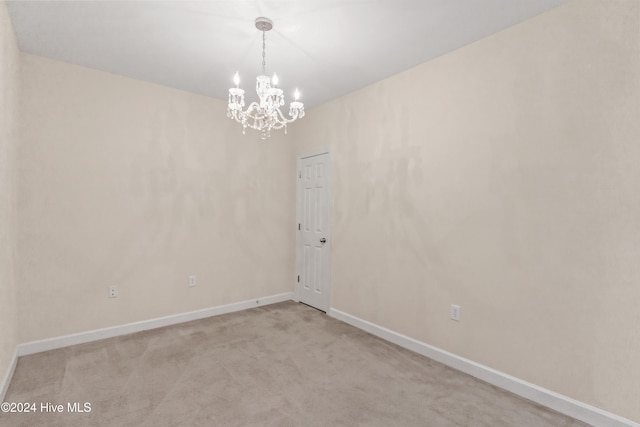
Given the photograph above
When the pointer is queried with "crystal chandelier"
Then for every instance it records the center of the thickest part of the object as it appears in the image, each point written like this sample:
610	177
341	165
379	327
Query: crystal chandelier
266	114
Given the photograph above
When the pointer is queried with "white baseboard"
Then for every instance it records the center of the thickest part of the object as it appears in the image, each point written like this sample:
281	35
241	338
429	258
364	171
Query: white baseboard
4	384
114	331
558	402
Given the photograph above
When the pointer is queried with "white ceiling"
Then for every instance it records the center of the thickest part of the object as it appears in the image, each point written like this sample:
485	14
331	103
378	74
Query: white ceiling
327	48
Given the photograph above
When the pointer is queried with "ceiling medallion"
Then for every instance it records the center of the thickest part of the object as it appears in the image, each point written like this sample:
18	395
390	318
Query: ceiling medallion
266	114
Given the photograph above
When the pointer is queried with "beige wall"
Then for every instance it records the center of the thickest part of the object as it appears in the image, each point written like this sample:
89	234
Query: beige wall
127	183
9	86
502	177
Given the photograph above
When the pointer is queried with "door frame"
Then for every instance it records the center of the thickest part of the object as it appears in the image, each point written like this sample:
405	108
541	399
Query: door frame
329	244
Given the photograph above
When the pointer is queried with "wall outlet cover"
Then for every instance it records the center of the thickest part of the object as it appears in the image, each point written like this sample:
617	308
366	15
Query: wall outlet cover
113	291
455	312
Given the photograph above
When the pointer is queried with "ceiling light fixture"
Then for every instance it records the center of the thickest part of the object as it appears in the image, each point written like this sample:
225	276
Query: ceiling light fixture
265	115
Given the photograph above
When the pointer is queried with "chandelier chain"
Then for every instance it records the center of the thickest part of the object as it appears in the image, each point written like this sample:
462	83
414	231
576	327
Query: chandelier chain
264	54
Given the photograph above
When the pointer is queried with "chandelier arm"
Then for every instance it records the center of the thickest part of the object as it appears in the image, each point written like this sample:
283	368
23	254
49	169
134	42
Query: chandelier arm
241	116
255	112
282	119
295	116
254	106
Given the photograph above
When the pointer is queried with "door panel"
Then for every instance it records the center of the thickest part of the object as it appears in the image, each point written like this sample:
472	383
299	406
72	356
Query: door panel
313	244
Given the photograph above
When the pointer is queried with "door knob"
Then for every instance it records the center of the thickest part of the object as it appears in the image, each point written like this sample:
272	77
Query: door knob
323	240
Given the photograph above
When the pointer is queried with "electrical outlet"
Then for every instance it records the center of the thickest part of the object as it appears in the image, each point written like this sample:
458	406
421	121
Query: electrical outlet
192	280
455	312
113	291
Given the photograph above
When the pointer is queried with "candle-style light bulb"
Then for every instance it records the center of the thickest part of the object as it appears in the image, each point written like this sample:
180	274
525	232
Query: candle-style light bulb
236	79
296	94
274	79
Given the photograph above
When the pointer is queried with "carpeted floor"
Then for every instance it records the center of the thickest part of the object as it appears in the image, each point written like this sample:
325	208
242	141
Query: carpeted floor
280	365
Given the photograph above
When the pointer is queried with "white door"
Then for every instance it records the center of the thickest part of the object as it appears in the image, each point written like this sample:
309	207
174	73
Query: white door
313	243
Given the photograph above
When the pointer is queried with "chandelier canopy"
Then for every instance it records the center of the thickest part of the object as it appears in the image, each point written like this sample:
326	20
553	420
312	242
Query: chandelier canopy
264	115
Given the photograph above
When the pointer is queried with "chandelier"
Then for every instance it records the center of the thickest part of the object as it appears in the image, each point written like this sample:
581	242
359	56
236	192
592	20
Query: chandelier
264	115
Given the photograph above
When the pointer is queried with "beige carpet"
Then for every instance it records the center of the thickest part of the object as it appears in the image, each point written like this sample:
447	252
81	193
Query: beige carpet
280	365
